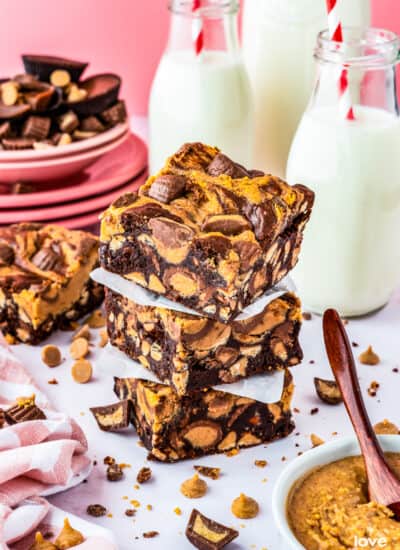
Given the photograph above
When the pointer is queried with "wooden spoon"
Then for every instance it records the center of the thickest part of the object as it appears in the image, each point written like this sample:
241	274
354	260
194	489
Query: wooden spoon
383	485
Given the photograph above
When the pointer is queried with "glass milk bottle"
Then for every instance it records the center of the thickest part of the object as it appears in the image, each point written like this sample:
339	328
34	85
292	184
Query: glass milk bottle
201	95
350	257
278	41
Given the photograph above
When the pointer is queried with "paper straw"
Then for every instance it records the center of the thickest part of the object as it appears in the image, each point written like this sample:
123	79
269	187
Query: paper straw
197	28
336	34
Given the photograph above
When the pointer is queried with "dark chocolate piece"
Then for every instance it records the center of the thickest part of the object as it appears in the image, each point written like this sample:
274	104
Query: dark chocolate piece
114	472
167	188
221	164
232	240
206	534
36	127
102	92
202	422
115	114
5	130
328	391
11	112
91	124
39	100
96	510
43	65
207	471
113	418
17	144
212	352
24	411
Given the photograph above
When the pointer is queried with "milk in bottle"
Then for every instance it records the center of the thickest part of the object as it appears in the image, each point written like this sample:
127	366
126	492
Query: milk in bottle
201	96
278	41
350	255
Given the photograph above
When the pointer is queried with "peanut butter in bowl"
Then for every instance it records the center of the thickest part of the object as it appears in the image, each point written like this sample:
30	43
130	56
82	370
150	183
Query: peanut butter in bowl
329	508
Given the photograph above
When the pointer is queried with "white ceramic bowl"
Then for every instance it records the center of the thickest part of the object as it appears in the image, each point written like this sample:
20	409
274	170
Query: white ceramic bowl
324	454
64	150
55	168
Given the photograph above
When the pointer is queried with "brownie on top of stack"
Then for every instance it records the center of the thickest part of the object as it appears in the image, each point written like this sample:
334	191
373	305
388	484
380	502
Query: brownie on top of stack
213	236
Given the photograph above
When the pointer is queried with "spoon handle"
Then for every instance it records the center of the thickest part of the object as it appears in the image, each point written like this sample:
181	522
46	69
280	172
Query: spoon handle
380	476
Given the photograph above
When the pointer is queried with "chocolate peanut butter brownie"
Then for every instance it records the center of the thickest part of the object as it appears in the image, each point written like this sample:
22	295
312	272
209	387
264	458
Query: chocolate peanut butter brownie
190	352
206	232
203	422
44	279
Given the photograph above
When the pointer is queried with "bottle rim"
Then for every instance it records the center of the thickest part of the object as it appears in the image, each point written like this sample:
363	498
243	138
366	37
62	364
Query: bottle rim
209	8
367	47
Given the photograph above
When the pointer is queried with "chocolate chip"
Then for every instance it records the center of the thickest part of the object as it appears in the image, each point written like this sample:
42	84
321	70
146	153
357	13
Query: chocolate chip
262	217
167	188
221	164
7	254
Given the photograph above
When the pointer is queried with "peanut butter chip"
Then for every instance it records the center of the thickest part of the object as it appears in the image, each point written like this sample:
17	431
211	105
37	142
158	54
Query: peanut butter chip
369	357
81	371
386	427
244	507
60	78
51	355
194	487
68	537
9	93
316	441
79	348
96	320
82	332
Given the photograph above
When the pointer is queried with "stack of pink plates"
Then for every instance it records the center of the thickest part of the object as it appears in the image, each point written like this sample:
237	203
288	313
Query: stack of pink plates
76	200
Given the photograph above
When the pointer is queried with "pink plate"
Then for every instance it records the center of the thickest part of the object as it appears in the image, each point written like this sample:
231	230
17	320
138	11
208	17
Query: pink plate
110	171
39	214
50	169
64	150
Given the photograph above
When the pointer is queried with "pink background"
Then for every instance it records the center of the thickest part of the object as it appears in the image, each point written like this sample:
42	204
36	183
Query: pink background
124	36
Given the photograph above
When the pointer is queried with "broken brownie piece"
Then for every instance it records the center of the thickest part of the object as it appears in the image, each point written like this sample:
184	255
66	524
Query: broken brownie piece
202	422
113	417
44	279
207	534
206	232
189	352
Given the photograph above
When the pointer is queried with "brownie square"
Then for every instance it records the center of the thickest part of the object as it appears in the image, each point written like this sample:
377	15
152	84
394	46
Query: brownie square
44	279
204	422
206	232
190	352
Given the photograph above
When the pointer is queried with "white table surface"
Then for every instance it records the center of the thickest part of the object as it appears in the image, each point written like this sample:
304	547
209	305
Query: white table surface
239	472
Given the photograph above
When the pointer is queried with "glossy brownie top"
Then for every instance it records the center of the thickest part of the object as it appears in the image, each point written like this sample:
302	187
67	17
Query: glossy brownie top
210	195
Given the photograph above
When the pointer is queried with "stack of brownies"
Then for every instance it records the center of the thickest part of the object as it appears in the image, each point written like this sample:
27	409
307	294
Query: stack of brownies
214	237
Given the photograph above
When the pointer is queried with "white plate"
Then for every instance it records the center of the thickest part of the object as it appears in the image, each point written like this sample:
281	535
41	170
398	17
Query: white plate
65	150
324	454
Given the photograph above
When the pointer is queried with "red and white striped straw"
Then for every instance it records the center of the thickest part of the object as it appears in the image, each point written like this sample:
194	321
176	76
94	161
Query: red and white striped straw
336	34
197	28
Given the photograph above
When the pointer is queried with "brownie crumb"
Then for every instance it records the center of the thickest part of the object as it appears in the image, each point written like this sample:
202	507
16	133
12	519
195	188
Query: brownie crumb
260	463
296	410
395	369
315	410
130	512
96	510
52	381
114	472
354	344
207	471
109	460
307	316
150	534
143	475
373	388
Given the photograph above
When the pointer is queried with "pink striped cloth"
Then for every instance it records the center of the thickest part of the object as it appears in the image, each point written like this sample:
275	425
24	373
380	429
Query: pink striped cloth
35	456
